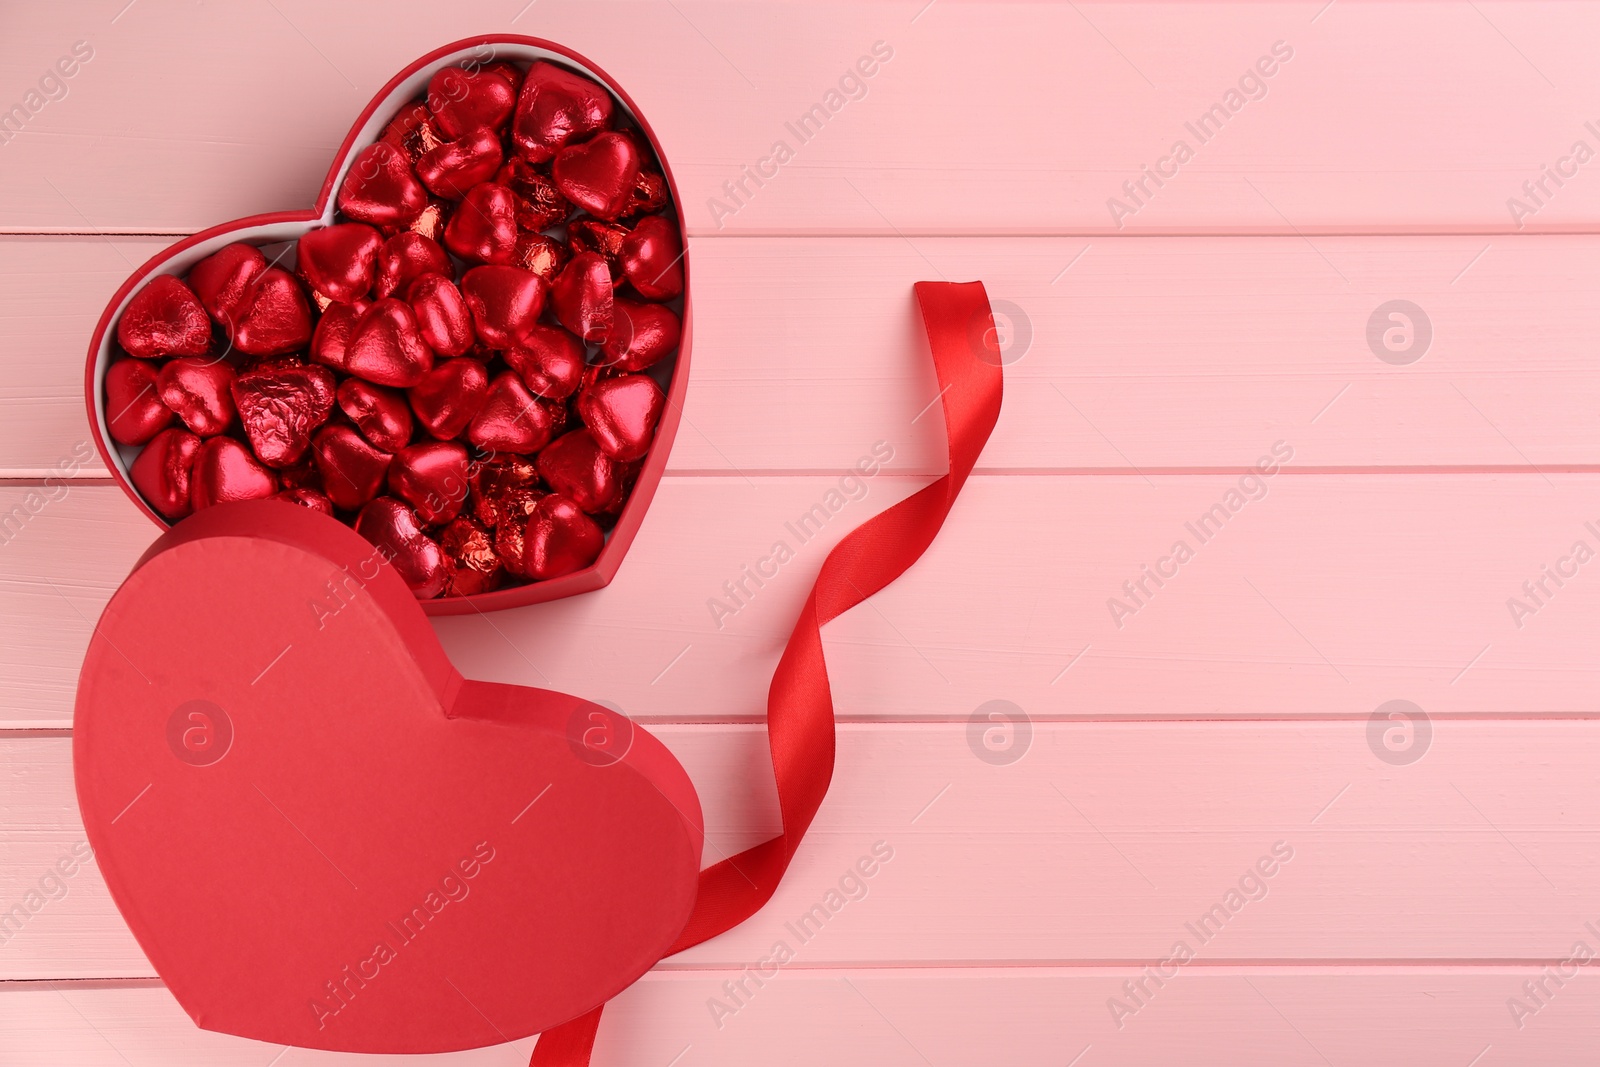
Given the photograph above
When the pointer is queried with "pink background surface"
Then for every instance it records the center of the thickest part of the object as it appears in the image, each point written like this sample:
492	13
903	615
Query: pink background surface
1165	756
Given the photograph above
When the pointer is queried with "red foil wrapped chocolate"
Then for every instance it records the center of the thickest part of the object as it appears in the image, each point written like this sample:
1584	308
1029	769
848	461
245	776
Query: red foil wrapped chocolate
200	392
340	262
599	174
280	405
135	411
471	564
224	471
165	319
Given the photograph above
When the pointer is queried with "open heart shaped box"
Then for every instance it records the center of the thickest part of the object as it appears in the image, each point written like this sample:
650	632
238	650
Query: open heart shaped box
319	832
286	226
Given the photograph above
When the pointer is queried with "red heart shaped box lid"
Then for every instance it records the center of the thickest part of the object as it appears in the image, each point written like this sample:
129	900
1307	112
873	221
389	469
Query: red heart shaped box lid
285	226
322	835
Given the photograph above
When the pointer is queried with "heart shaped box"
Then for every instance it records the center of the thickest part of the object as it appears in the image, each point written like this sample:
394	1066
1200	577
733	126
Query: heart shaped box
322	835
285	226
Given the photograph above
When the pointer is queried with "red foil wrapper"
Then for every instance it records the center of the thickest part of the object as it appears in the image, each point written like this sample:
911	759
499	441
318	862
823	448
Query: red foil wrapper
430	221
539	205
222	278
550	361
540	256
386	345
603	238
280	405
642	335
331	339
442	314
135	411
448	397
413	131
303	475
505	303
432	478
582	296
381	415
454	167
308	498
407	256
599	174
272	317
471	564
340	261
380	187
574	465
650	194
651	257
511	419
557	538
165	318
554	107
464	102
163	469
393	528
621	414
200	392
484	228
352	470
225	471
492	482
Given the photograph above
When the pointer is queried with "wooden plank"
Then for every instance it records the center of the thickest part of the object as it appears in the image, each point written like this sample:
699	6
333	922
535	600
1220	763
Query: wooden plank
1022	118
1324	598
1146	354
909	1018
1105	843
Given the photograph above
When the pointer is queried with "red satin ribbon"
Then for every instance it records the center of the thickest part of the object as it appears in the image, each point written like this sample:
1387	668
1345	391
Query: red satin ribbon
966	356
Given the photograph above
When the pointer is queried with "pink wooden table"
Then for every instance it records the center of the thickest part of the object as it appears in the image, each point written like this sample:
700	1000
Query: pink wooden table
1434	474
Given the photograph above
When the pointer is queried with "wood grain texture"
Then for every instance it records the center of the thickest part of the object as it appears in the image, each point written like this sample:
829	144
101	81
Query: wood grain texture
1323	598
1170	744
1053	859
1014	118
910	1018
1133	354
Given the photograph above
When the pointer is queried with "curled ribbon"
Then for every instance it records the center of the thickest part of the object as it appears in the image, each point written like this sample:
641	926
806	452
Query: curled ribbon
966	357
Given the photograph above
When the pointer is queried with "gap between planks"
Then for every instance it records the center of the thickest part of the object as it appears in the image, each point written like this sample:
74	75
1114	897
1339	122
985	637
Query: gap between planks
1574	230
1221	968
24	730
29	478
